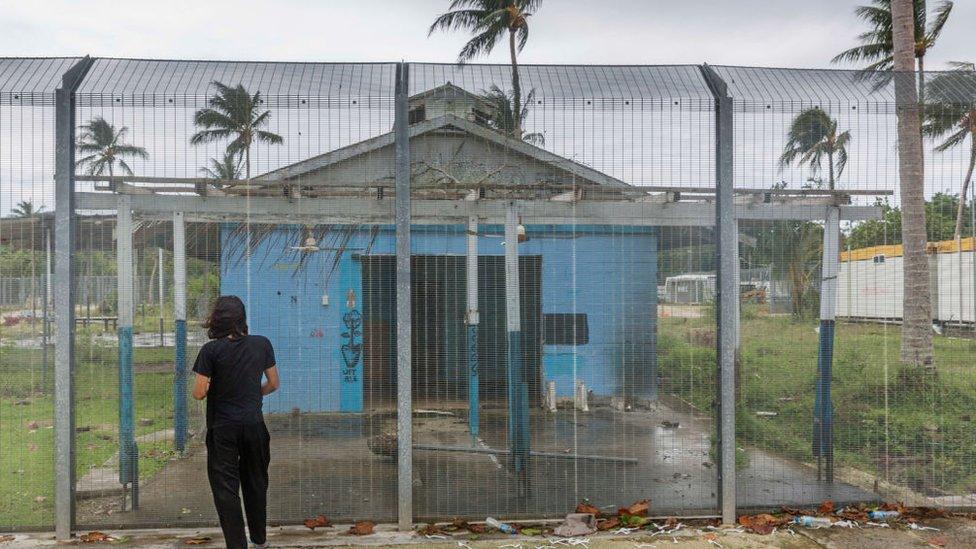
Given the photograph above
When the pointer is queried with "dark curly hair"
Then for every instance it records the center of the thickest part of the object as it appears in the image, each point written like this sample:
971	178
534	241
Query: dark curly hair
227	318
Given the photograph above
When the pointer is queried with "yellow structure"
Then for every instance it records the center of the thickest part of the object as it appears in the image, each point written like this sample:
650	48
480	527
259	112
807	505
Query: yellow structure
895	250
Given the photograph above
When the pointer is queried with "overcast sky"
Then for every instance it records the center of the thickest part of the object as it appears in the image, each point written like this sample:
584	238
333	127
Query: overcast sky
803	33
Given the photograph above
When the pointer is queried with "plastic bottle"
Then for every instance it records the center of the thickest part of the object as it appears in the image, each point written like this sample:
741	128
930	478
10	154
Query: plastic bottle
500	526
813	522
883	515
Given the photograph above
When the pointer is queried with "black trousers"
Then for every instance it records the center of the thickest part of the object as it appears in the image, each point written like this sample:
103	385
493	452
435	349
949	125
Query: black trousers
237	460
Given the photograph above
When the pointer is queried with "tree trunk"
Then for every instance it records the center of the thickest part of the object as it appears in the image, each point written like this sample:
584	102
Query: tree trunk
247	166
830	171
965	188
516	87
916	340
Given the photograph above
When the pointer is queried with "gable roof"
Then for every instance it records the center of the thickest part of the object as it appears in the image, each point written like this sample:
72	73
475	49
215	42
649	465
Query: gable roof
444	122
450	91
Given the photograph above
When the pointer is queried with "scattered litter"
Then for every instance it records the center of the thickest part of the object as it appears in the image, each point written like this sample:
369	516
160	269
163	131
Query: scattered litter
6	537
318	522
762	524
638	509
767	414
572	542
813	522
712	539
575	525
878	524
362	528
625	531
463	545
500	526
585	507
916	526
883	515
96	537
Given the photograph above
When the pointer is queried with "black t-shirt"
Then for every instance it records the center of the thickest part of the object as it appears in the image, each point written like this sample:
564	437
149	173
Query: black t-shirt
235	367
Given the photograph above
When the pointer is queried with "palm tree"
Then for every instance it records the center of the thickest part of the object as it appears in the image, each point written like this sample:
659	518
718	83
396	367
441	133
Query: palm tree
234	113
813	136
949	112
25	208
488	20
503	114
227	168
877	45
106	148
916	333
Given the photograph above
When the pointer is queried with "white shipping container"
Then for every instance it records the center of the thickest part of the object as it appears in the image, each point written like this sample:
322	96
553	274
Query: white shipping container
873	288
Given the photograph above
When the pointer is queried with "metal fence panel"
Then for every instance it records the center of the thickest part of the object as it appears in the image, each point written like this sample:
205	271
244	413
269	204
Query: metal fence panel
26	342
618	284
254	224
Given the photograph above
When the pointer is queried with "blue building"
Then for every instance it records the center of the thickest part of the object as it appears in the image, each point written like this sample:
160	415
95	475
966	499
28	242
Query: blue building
325	295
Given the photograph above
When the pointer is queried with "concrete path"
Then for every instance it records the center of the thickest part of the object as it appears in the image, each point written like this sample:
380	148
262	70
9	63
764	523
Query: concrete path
323	464
104	481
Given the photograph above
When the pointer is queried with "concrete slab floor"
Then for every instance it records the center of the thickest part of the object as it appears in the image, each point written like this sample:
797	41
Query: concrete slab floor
323	464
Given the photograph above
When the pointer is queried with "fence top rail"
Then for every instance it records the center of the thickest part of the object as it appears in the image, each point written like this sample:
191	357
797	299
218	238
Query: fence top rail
193	78
32	75
840	86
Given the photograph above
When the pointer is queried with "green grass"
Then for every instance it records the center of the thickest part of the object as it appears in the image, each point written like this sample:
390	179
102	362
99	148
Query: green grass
26	419
927	429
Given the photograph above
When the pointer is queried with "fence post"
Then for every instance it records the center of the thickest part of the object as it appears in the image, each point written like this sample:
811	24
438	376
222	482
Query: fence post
128	451
401	137
179	315
64	344
728	292
472	319
823	422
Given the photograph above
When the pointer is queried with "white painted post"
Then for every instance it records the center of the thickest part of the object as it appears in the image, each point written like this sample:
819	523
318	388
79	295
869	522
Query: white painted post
162	292
823	434
128	451
180	421
472	319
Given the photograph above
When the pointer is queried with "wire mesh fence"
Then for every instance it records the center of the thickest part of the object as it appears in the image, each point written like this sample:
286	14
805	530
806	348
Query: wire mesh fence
564	287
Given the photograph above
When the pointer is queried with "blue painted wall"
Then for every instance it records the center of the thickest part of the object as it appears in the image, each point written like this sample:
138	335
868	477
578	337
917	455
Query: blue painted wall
608	273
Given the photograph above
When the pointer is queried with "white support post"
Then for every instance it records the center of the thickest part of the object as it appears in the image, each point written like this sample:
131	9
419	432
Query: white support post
823	422
128	451
162	292
472	319
180	420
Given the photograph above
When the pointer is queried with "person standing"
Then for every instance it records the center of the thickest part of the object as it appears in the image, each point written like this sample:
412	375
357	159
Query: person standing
229	370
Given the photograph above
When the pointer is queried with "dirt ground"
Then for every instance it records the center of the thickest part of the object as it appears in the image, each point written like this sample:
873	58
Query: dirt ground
946	532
